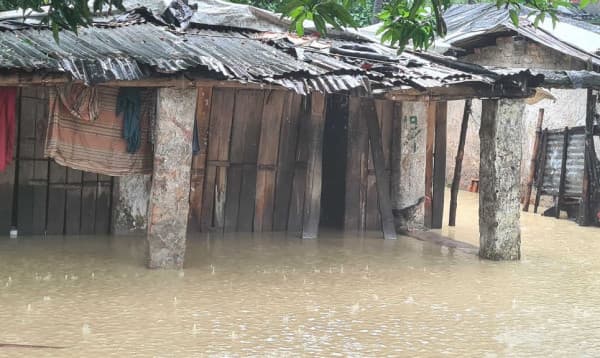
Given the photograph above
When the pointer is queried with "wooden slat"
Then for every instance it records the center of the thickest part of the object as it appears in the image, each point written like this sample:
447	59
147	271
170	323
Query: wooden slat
385	115
439	166
533	163
89	193
73	202
312	195
563	174
458	163
241	181
541	170
396	152
203	110
356	168
56	199
103	207
382	178
219	133
430	142
25	204
299	181
268	152
584	218
41	167
288	139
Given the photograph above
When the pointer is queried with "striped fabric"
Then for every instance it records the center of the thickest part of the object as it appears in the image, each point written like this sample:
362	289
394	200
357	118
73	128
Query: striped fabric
96	144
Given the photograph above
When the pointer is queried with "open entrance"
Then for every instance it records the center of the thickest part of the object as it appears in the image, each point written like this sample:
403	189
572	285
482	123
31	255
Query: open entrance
333	194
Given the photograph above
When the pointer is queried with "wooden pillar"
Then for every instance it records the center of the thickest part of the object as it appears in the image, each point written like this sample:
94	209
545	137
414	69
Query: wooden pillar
356	167
499	178
312	194
458	164
584	208
382	178
439	165
203	106
169	195
534	156
540	171
563	174
429	160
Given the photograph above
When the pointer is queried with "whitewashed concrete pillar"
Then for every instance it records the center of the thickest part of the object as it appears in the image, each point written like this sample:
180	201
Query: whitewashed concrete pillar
170	190
499	179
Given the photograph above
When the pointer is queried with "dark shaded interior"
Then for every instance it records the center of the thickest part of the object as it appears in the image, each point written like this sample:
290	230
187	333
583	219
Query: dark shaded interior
333	195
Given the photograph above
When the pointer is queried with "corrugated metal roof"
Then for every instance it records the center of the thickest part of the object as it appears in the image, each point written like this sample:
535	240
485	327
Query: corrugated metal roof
467	24
140	45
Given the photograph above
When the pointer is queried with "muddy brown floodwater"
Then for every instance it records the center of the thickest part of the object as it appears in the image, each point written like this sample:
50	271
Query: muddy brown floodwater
272	295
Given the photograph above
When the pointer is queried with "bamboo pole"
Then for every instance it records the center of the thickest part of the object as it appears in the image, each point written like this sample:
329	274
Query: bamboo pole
458	165
534	155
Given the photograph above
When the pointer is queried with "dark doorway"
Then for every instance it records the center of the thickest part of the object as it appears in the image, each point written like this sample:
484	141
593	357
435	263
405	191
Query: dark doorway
333	195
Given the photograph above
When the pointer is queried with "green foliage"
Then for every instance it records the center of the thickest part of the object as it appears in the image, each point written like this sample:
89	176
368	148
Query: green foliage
62	14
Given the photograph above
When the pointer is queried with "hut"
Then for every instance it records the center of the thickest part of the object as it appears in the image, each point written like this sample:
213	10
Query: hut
484	34
147	122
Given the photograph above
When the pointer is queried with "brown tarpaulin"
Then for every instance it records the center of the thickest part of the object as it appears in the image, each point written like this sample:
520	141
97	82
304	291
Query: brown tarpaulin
96	144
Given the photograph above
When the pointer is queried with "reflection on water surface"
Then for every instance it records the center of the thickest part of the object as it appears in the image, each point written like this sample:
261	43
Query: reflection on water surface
273	295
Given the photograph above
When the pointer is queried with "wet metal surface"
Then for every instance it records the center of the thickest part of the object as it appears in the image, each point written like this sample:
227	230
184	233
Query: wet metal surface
280	296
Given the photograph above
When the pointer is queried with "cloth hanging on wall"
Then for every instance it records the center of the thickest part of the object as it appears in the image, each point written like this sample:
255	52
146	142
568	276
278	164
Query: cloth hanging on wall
80	101
79	142
129	104
8	100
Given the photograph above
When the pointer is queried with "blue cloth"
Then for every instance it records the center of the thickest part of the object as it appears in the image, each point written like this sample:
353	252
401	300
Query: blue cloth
129	103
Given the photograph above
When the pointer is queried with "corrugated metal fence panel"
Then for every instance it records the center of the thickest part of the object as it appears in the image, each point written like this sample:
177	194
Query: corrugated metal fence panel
575	159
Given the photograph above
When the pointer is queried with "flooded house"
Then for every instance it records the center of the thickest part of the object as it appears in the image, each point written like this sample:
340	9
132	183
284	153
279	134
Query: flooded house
485	35
164	125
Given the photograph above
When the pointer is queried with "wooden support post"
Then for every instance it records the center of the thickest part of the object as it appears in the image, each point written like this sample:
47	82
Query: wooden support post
429	148
563	174
199	160
458	164
439	166
382	178
534	156
356	168
540	171
584	208
312	195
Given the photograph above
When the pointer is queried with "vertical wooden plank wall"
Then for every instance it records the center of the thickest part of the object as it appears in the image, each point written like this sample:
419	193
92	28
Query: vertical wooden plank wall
356	168
219	135
299	181
54	199
255	163
312	195
286	162
362	207
198	172
267	159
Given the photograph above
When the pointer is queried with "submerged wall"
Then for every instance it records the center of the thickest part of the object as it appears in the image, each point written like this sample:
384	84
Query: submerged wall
131	207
